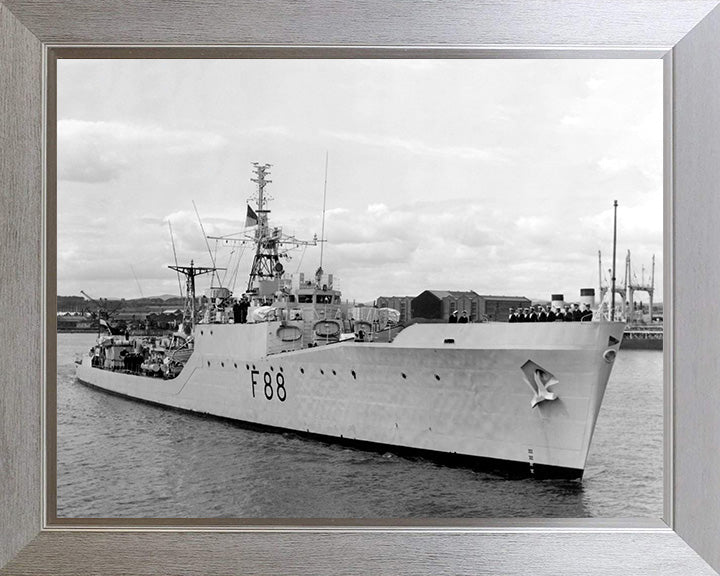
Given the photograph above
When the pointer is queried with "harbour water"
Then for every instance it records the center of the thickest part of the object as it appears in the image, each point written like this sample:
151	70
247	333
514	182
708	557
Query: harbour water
118	458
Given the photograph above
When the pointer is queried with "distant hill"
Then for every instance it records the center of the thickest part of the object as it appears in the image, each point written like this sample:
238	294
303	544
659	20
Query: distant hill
80	304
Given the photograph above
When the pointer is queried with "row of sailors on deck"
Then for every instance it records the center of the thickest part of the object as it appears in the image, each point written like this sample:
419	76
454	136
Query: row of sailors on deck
463	319
541	314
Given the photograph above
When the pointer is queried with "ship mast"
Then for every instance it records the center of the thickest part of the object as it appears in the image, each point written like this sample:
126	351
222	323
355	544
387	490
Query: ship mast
270	243
190	272
612	296
266	263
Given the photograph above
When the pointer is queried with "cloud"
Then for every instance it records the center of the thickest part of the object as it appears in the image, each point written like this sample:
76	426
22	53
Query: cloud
614	164
497	176
97	151
639	225
405	248
419	148
269	131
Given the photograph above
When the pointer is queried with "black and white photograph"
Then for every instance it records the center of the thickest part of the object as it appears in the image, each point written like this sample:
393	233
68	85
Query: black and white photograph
359	288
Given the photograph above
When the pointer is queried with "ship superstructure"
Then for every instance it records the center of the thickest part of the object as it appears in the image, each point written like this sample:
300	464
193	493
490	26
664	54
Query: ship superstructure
287	355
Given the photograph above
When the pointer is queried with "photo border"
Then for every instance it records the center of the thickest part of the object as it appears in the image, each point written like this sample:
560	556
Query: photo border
642	548
55	53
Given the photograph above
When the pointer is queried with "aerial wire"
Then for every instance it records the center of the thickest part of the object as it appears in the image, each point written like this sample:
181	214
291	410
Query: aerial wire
212	258
234	276
322	232
172	239
301	259
227	266
136	281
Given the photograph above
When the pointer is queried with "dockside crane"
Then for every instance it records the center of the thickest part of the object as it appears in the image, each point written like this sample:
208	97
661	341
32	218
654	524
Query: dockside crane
635	286
104	313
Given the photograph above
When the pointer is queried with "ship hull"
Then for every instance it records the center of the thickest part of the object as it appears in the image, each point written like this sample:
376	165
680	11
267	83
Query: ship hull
460	394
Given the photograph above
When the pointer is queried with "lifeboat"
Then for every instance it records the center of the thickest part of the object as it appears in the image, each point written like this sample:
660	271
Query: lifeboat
327	328
289	333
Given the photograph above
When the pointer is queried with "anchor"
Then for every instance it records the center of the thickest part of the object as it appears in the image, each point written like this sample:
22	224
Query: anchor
540	381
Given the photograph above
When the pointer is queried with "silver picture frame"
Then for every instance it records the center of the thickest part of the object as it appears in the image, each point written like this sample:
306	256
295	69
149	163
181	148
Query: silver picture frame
684	33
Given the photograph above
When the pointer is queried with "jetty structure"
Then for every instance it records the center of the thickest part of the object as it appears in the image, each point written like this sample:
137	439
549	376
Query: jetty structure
518	397
640	333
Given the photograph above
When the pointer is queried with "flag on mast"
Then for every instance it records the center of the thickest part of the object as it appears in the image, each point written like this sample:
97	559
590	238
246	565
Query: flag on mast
106	325
251	219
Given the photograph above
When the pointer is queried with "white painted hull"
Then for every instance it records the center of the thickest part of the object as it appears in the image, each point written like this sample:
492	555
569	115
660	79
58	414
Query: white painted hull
466	398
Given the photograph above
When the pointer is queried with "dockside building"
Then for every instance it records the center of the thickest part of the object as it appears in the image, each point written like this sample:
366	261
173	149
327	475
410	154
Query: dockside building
438	305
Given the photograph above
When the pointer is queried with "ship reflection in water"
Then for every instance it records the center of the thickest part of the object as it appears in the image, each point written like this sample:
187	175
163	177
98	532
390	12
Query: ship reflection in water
119	458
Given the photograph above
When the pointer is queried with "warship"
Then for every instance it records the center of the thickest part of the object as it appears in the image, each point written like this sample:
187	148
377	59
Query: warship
288	356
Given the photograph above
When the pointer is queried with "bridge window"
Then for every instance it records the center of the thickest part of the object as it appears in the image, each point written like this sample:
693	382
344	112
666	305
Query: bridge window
305	298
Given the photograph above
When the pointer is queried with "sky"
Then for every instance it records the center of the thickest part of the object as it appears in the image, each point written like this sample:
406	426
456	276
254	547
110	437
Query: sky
497	176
